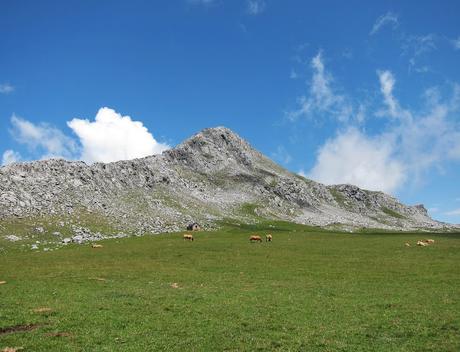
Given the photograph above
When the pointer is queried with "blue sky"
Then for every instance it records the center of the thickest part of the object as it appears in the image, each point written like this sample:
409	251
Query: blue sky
342	92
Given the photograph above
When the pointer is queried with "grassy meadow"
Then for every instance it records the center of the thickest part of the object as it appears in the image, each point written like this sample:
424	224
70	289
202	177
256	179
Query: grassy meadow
308	290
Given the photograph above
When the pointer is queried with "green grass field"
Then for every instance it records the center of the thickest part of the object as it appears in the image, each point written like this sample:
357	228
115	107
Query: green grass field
308	290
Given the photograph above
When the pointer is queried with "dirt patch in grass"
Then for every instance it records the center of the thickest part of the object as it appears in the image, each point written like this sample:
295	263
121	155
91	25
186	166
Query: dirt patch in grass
12	349
19	328
59	334
42	310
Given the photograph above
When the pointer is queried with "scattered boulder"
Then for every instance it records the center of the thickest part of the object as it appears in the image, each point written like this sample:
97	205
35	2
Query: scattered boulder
13	238
194	227
78	239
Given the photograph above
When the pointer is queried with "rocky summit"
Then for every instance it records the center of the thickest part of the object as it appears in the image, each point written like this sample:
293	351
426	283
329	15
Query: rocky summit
213	176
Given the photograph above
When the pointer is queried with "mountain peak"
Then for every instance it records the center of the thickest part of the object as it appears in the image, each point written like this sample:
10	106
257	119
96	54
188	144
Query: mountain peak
216	135
214	148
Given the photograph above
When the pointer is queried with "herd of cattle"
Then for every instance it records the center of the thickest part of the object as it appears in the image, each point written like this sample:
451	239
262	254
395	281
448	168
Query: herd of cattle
269	238
253	238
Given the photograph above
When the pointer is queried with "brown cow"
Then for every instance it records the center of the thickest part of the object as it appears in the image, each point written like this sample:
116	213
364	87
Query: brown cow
429	241
269	237
188	236
255	238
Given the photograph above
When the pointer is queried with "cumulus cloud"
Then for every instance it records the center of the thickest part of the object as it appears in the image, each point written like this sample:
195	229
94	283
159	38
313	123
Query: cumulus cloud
43	138
255	7
352	157
322	97
413	142
112	137
6	88
10	156
427	137
388	19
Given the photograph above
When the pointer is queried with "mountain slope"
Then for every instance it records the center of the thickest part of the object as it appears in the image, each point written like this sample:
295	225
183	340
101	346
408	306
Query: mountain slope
214	175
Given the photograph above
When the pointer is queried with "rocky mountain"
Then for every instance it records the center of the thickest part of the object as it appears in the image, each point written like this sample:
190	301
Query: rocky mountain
212	176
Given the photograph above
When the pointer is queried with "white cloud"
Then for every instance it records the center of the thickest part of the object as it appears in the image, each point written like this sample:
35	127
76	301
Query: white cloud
388	19
255	7
6	88
352	157
411	143
321	98
113	137
43	138
10	156
415	46
387	83
456	43
455	212
419	44
428	137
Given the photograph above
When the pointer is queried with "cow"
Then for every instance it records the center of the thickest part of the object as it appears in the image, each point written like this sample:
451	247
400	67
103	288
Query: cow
255	238
188	236
422	243
407	244
268	238
94	245
429	241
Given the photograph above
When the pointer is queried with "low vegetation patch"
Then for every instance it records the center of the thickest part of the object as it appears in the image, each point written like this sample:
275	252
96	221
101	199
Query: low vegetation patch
392	213
339	197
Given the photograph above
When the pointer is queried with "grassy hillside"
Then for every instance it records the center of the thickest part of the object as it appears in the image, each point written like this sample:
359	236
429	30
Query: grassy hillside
309	290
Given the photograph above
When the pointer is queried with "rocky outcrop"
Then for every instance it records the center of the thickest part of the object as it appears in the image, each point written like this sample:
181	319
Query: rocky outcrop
211	176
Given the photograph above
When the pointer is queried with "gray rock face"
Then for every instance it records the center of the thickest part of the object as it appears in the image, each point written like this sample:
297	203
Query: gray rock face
211	176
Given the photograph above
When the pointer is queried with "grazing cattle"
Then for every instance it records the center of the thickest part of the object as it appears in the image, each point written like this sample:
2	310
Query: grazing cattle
94	245
188	236
269	237
407	244
421	243
255	238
